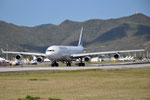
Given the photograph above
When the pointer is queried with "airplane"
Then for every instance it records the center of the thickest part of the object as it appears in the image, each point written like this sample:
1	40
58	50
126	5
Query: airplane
58	53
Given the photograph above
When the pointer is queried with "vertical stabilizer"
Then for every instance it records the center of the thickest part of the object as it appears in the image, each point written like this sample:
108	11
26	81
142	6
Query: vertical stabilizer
81	38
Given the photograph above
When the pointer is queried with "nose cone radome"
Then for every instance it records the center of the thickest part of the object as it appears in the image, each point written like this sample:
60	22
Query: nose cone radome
52	52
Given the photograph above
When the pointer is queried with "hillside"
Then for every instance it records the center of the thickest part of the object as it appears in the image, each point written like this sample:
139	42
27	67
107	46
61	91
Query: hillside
131	32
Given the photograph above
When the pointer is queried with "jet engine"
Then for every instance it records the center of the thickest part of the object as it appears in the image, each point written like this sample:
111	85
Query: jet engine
87	59
116	56
40	59
19	57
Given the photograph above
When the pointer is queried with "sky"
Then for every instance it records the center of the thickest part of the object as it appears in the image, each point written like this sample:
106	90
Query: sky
37	12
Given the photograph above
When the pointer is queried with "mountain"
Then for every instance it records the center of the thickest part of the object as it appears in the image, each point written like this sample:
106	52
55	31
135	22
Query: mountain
130	32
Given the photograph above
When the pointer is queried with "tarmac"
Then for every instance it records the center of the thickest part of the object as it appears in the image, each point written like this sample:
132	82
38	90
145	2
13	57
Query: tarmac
103	67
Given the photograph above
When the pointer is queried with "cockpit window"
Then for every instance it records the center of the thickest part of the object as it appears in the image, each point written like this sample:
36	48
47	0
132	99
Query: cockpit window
51	50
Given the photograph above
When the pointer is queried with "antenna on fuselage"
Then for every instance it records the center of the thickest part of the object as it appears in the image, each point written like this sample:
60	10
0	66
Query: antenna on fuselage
80	43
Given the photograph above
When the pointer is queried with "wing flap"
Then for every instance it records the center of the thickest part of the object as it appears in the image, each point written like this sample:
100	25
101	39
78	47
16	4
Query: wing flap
102	53
24	53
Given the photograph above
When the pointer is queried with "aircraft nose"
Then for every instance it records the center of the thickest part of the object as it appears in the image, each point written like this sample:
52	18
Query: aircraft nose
48	53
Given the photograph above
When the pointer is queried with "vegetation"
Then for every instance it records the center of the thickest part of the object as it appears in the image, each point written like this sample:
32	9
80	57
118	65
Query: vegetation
129	84
35	98
122	33
54	99
29	98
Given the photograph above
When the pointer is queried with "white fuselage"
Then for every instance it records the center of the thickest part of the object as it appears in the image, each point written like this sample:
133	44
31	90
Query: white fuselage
62	53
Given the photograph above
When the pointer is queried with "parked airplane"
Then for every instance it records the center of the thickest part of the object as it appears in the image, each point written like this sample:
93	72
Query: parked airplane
68	53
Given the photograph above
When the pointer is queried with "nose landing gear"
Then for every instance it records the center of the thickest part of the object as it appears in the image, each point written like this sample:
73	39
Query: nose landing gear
54	64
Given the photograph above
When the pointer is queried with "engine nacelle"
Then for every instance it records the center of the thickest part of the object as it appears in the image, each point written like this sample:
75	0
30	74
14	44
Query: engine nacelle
87	59
19	57
116	56
40	59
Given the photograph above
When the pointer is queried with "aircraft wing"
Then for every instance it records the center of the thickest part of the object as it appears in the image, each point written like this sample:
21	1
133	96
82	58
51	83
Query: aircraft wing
102	53
24	53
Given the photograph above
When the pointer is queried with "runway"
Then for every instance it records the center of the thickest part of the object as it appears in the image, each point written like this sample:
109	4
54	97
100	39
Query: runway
101	67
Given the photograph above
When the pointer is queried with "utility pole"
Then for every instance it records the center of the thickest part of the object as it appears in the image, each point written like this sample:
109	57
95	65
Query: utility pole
147	54
135	54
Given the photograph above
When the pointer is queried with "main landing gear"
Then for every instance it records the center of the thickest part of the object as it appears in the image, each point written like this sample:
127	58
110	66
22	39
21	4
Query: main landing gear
54	64
68	63
81	63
